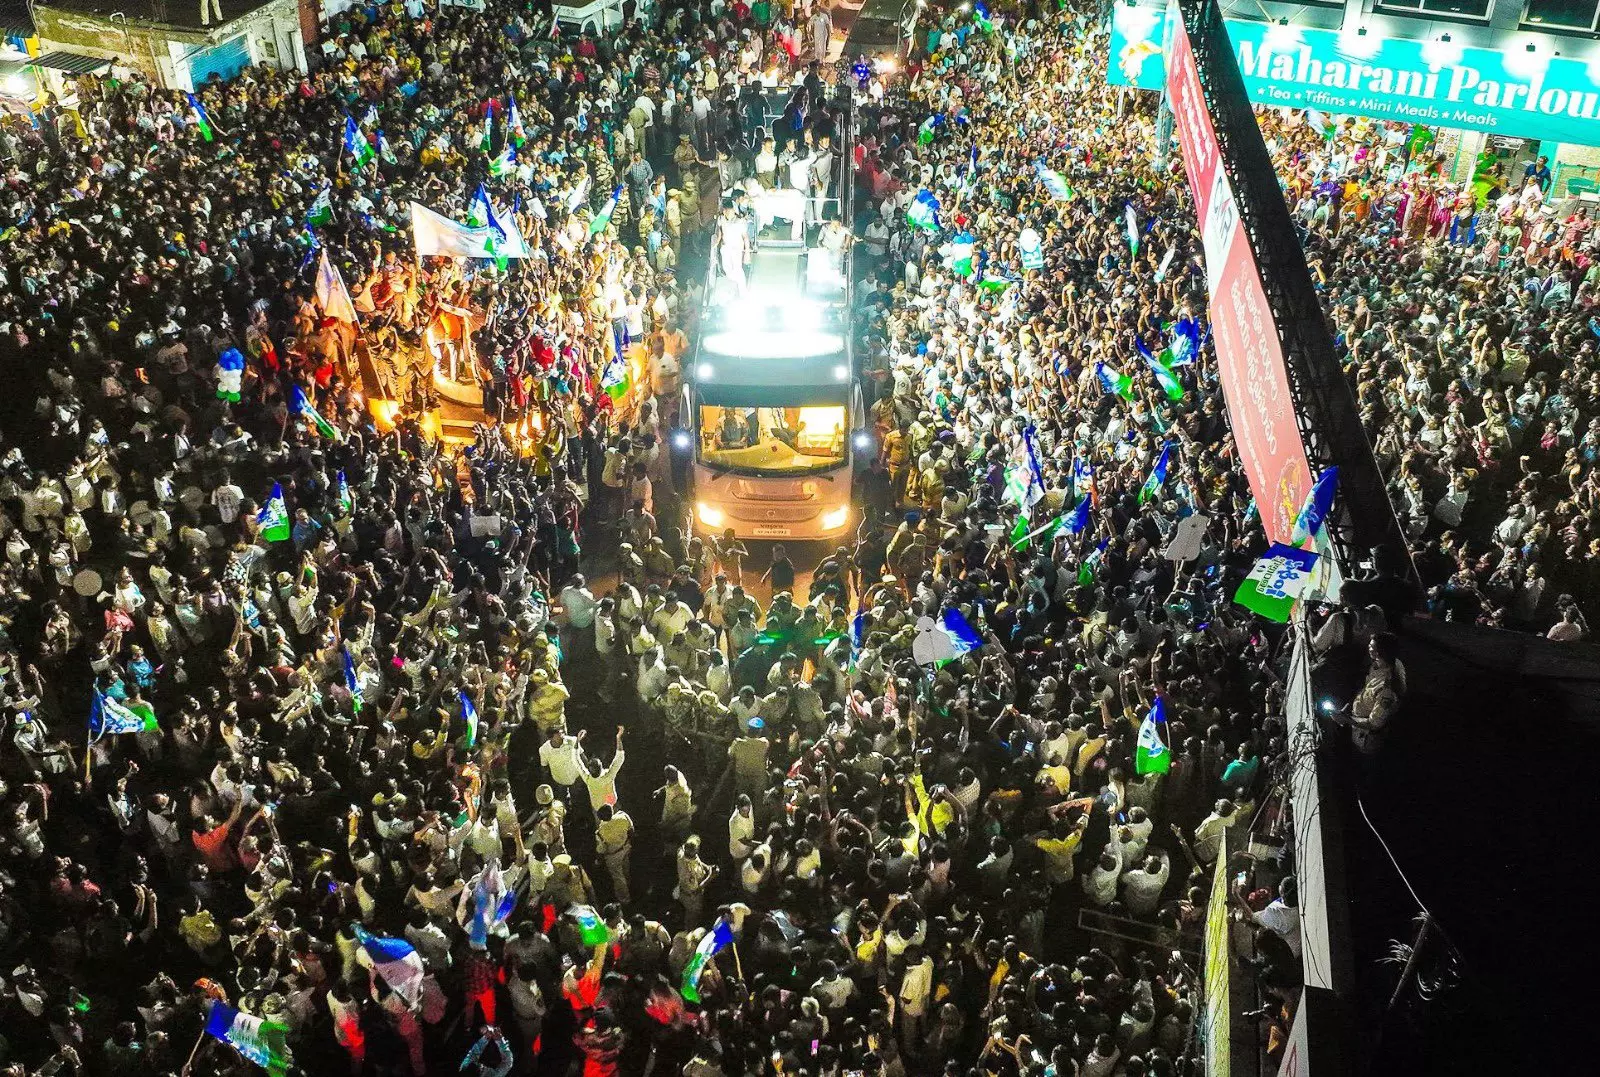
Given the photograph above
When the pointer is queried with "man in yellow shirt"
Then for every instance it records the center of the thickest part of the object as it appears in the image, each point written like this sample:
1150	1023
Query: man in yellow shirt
1060	848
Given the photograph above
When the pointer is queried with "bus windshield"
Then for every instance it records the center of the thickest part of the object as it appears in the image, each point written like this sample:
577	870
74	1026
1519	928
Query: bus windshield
773	440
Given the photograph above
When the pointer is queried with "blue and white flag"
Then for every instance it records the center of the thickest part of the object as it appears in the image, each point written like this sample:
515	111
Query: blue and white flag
923	212
107	716
261	1041
1319	502
491	904
352	682
395	961
469	715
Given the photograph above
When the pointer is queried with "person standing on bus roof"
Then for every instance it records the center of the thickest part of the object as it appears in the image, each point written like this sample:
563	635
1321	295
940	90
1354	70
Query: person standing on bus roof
732	244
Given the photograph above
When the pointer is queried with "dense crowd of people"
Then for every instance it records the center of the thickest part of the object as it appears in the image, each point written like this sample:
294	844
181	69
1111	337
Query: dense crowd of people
318	717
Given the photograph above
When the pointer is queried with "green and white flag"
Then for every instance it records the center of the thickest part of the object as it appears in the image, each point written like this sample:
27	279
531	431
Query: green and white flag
602	220
1152	755
273	519
107	716
1276	582
321	211
1133	229
356	144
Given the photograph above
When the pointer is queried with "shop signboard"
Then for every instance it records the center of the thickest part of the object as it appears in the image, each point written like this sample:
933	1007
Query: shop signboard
1250	359
1436	83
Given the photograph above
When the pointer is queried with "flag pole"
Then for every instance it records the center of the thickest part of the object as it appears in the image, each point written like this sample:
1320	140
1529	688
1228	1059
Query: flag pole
188	1065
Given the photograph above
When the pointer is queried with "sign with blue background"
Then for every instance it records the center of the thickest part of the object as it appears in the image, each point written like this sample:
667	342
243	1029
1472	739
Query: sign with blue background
1523	94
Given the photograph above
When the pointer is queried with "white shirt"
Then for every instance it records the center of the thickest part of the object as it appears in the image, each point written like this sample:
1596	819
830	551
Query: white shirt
741	829
564	762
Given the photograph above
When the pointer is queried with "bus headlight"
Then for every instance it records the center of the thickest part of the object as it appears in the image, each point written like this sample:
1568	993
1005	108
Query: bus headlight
834	519
709	515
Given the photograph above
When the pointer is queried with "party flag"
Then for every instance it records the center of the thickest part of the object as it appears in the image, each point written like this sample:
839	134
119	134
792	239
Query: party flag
925	133
386	151
1164	377
492	902
1158	475
959	253
1091	564
352	682
469	715
980	17
273	519
346	502
201	119
1114	381
1132	222
614	380
506	162
356	144
333	298
261	1041
321	211
715	941
478	208
487	143
514	123
1185	344
602	220
1152	756
395	961
1166	264
591	929
106	715
1322	123
964	637
1053	182
301	405
923	212
1319	502
1079	519
1276	581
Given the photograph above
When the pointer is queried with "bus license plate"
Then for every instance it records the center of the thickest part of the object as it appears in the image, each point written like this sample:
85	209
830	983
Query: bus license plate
769	530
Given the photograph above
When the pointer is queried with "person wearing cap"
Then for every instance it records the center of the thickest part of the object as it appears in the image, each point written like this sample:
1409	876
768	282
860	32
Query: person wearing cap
547	702
747	756
614	846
